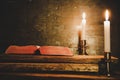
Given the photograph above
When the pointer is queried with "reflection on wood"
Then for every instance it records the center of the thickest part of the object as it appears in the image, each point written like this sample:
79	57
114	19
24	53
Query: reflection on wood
52	59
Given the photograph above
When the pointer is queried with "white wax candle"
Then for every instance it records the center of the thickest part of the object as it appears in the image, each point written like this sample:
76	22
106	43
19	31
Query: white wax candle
107	33
83	36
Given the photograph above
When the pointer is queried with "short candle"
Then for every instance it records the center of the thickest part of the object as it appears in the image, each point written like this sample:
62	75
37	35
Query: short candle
83	37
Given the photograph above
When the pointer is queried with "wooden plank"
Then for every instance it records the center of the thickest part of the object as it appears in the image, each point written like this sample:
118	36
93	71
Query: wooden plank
52	59
58	76
38	67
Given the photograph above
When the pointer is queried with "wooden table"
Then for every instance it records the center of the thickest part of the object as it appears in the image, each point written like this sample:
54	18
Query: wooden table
37	64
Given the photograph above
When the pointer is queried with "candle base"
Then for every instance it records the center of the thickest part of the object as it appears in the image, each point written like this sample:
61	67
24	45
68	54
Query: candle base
107	58
83	47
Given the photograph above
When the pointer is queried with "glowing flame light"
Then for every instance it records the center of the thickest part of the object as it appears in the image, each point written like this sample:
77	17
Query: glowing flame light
84	15
106	15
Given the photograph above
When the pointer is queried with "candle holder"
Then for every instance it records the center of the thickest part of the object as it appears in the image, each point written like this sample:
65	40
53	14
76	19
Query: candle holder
83	47
108	61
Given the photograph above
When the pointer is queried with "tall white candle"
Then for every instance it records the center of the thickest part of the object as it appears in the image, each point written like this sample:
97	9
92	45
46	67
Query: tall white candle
107	33
83	36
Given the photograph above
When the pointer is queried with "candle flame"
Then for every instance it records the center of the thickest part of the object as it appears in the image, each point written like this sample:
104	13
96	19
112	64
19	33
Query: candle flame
83	15
107	15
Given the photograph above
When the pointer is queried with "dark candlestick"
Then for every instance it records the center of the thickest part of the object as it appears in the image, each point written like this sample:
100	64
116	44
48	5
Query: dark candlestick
83	47
108	60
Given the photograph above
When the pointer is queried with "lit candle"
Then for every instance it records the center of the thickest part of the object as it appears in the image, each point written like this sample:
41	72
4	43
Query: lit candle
83	37
107	33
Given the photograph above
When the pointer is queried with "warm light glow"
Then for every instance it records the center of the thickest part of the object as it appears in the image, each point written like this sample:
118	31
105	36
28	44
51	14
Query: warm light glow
106	15
37	46
83	15
79	27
